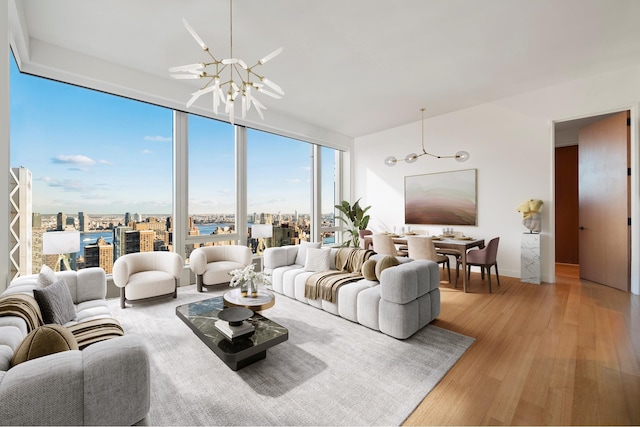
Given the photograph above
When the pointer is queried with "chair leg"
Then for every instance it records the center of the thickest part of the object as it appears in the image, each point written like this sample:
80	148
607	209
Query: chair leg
457	269
497	277
122	298
489	277
199	282
449	270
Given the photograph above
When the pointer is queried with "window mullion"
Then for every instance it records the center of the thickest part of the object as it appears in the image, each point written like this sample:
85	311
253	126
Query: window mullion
180	180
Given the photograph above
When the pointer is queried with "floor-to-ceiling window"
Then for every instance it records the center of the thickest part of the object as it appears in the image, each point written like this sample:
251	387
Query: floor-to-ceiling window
98	164
278	190
212	189
101	166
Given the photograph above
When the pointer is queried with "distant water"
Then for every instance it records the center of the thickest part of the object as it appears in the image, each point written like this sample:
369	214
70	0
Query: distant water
211	228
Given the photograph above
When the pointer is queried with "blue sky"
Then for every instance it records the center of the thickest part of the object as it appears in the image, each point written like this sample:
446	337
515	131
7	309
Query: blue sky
98	153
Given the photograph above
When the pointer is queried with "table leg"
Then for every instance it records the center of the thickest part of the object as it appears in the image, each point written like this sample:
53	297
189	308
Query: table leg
463	257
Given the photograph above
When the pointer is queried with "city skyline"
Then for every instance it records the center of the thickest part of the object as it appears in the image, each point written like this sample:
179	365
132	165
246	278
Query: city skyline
102	154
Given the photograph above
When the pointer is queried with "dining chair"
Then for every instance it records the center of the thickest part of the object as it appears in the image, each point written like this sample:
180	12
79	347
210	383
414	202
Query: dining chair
362	234
483	258
383	244
423	248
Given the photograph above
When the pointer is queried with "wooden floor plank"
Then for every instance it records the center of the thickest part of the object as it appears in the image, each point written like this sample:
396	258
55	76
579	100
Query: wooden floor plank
566	353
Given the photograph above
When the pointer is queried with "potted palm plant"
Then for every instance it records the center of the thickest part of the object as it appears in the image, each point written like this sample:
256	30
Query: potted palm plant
355	218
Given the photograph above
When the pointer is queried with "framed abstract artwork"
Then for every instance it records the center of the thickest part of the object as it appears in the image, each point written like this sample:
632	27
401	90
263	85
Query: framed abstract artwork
445	198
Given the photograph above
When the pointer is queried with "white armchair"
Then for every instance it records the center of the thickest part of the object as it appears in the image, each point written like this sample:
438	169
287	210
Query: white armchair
212	264
144	276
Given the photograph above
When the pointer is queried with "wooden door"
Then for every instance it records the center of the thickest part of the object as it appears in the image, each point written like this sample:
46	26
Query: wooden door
604	247
567	206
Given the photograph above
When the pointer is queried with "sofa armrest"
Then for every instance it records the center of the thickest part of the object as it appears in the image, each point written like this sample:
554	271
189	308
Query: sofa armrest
278	257
105	384
409	281
116	381
121	272
44	391
198	262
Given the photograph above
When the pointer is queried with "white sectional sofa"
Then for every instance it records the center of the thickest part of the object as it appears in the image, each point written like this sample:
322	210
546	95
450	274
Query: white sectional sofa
406	298
106	383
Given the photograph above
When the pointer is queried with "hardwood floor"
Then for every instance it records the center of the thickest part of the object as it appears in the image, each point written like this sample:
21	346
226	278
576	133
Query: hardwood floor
551	354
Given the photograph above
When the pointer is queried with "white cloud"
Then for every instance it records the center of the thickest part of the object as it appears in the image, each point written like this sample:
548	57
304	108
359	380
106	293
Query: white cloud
76	159
158	138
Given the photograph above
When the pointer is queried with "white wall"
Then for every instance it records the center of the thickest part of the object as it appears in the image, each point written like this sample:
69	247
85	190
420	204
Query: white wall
511	146
4	143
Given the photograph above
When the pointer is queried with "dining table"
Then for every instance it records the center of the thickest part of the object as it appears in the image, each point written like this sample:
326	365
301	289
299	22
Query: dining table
461	244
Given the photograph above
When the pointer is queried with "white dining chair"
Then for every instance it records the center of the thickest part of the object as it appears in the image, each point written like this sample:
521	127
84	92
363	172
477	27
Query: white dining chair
422	247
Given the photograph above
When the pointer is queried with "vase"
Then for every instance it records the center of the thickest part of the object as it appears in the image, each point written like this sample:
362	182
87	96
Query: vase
253	289
244	289
249	289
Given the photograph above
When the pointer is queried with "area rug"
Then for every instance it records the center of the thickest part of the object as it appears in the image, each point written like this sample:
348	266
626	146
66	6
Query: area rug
330	372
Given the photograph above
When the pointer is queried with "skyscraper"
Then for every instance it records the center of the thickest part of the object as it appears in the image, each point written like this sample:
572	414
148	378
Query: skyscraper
99	255
138	241
82	221
119	241
61	221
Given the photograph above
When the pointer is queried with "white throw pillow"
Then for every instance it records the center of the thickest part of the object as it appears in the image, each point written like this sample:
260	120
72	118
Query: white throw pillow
302	251
317	260
46	277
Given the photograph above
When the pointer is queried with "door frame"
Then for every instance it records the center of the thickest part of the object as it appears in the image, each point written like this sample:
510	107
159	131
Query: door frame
634	183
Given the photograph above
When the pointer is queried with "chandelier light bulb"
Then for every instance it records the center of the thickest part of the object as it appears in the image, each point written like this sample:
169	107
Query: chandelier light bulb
462	156
390	161
411	158
238	77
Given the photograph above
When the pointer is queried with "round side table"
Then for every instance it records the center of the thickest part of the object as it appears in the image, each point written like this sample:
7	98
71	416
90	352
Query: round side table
263	301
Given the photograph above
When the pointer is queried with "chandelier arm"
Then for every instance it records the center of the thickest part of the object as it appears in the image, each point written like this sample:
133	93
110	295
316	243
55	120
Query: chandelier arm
215	61
227	91
460	156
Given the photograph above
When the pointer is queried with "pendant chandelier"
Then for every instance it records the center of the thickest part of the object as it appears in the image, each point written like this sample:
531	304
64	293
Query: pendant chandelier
461	156
228	78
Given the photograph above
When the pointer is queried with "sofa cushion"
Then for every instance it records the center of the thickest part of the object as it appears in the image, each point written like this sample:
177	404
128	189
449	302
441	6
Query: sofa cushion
46	277
369	269
384	263
55	303
42	341
302	251
317	260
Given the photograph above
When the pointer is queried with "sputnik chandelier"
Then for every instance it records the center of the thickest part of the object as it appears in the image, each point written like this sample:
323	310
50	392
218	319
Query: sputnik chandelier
242	80
461	156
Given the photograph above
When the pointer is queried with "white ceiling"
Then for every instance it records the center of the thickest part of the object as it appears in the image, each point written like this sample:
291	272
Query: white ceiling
353	67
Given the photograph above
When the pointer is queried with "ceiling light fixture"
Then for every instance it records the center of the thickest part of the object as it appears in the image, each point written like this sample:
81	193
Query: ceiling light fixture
239	77
461	156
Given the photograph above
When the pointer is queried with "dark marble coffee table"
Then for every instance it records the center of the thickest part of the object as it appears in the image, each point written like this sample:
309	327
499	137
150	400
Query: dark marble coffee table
201	317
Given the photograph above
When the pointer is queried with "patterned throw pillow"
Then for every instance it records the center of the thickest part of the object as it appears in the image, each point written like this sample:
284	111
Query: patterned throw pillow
318	260
56	304
46	277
